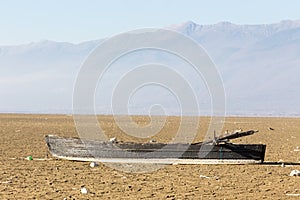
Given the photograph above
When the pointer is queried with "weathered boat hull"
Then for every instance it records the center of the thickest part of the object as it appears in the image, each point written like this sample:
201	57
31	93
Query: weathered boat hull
226	153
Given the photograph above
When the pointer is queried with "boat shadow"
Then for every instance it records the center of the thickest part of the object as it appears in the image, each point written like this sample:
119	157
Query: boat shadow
280	163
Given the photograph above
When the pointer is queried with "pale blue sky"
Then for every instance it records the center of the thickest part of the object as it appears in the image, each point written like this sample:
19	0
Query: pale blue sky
82	20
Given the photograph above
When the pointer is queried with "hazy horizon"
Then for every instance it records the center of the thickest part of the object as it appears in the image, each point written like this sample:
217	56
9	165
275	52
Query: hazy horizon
40	77
254	46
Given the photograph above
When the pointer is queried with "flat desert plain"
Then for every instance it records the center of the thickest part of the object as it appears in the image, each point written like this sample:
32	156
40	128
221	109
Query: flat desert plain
49	178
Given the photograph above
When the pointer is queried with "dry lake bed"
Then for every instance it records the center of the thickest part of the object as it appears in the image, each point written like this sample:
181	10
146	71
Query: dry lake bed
45	177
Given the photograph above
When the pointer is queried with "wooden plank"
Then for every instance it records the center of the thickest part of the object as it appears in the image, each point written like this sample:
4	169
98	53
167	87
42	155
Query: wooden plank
230	136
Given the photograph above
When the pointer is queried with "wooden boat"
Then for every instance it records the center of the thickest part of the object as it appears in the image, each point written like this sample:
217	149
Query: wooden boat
218	151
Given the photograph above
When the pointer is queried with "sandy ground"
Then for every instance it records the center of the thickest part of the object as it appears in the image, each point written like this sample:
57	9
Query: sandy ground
23	135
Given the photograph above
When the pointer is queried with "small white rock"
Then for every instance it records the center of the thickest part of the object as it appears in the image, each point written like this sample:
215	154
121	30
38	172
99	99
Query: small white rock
84	190
93	164
202	176
114	139
295	173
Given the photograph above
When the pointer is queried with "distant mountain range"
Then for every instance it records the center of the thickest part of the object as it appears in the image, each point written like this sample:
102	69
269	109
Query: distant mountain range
259	65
